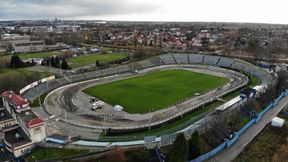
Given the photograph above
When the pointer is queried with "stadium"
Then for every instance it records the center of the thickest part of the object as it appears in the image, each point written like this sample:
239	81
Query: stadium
145	95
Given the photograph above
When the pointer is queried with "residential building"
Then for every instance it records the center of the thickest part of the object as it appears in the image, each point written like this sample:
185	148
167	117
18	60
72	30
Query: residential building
20	44
25	130
28	46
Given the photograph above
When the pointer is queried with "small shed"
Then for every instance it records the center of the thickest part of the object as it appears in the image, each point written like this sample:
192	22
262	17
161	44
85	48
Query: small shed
277	122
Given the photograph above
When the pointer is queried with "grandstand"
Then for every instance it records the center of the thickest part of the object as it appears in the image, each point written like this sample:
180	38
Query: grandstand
166	59
225	62
156	61
181	58
196	59
211	60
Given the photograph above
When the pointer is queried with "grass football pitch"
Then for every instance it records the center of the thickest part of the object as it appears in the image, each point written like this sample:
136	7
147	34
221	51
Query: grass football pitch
91	59
155	90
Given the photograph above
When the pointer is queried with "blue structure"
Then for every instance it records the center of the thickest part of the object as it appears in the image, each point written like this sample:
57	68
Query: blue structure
229	143
55	140
248	93
159	155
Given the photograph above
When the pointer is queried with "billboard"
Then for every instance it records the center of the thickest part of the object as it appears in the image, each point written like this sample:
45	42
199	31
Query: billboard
47	79
28	87
36	83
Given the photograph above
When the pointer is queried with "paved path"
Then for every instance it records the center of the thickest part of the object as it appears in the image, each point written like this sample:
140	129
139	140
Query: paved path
228	154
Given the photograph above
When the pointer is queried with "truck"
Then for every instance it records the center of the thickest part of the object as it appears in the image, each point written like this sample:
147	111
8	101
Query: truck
97	105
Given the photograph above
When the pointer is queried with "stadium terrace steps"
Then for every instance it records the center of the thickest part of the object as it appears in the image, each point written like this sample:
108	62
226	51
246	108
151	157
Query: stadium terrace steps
211	60
181	58
167	59
196	58
225	62
156	61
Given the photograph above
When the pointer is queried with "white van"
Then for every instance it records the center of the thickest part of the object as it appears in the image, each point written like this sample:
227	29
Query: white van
97	105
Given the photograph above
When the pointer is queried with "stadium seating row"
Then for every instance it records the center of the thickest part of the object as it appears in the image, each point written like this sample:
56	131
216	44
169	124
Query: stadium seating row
166	59
225	62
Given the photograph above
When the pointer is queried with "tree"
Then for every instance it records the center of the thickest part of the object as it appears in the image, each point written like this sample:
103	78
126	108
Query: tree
135	40
16	62
195	146
52	61
64	64
253	46
104	52
282	82
117	154
214	135
253	104
33	62
179	150
97	63
57	62
140	156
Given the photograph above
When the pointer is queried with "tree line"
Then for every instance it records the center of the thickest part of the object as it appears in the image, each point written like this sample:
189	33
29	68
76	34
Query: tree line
55	62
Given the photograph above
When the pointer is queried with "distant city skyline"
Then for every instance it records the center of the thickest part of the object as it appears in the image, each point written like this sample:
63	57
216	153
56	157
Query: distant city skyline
256	11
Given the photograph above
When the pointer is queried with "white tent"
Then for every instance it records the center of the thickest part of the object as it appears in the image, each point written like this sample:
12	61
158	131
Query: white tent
118	108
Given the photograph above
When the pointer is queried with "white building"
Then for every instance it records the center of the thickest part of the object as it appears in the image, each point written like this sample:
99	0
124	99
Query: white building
21	128
20	44
24	46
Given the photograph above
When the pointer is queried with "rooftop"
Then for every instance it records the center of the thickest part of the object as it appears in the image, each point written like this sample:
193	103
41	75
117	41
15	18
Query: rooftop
18	100
5	115
30	118
14	98
16	137
27	115
247	91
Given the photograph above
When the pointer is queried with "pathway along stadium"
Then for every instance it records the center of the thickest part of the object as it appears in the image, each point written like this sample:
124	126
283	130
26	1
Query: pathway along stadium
69	105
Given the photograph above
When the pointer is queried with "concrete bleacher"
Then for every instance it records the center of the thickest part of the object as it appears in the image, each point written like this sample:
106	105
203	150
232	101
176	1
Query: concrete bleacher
124	69
249	69
225	62
181	58
145	64
156	61
167	59
196	59
152	62
258	73
211	60
238	66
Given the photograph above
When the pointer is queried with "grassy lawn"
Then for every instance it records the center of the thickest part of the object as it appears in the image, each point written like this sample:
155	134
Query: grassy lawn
15	79
253	81
171	127
48	153
24	56
181	123
155	90
35	103
7	72
91	59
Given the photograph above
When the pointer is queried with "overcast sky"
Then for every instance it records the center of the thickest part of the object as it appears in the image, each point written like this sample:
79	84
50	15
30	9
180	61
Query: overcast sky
260	11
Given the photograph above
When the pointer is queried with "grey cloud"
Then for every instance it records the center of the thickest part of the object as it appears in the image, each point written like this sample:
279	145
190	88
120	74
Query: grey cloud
29	9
